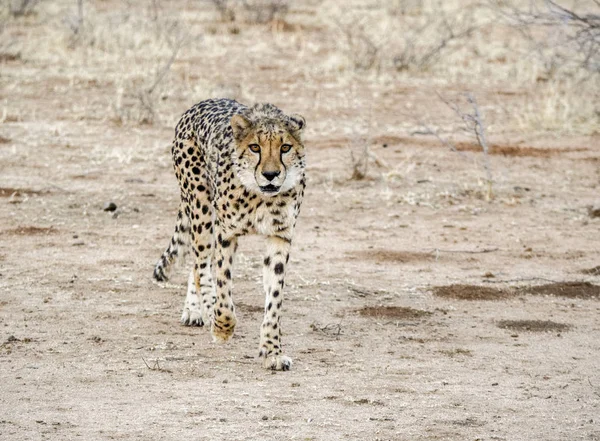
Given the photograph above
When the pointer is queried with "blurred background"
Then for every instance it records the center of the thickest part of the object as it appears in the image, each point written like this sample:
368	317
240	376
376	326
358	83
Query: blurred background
359	67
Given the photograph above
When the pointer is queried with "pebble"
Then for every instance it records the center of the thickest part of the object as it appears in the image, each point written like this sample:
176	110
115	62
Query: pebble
110	206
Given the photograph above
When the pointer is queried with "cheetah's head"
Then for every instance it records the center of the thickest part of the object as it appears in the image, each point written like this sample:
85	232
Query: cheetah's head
269	149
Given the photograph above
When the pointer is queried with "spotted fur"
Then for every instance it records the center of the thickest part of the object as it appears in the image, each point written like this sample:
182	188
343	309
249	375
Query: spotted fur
240	171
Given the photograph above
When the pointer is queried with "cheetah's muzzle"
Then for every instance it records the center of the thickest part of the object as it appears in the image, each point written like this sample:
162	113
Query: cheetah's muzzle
269	188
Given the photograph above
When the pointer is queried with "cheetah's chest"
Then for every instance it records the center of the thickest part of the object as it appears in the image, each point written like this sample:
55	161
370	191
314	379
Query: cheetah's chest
274	218
242	215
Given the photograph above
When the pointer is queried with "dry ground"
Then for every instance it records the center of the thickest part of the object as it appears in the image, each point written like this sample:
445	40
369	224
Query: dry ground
415	309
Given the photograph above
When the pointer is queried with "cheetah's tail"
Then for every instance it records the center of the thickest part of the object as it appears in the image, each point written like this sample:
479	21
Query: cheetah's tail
177	250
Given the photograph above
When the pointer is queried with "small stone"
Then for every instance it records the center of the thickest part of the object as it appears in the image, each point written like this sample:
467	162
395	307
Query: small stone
594	210
12	338
265	418
110	206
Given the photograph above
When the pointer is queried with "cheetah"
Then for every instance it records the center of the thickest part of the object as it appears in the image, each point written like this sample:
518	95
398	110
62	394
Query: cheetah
241	170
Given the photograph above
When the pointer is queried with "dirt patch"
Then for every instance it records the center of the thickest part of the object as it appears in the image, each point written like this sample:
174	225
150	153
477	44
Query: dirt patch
595	271
31	231
513	150
569	290
394	256
4	140
471	292
393	312
533	325
495	149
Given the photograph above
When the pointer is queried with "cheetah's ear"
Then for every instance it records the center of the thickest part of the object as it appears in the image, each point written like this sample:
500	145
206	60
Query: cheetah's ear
240	126
297	122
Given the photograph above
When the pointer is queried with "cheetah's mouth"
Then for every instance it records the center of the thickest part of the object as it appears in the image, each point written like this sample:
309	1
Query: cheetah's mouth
269	188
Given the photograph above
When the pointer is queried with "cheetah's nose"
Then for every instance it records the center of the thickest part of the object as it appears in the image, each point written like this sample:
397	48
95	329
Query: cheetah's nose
270	175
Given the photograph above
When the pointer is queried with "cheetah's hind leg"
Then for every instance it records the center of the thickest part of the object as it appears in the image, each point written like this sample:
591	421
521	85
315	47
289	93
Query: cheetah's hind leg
178	248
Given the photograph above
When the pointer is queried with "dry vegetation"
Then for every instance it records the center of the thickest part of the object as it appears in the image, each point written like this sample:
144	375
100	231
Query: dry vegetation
444	279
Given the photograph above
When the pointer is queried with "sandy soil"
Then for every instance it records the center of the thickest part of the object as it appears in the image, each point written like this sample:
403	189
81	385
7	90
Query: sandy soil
411	308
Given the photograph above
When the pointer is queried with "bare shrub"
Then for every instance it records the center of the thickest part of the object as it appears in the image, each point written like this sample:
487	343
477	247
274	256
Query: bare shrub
405	7
21	8
149	96
561	36
561	46
140	50
474	125
75	22
265	11
251	11
360	161
403	40
419	53
363	49
140	105
225	9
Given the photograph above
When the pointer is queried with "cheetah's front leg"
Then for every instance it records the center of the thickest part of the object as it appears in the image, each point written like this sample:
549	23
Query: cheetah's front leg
224	320
270	332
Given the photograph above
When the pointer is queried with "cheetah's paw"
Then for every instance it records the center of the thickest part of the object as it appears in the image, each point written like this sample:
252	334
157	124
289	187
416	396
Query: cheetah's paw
277	362
223	326
191	316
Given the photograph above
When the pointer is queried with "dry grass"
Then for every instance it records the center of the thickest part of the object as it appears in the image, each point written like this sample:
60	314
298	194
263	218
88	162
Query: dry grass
148	61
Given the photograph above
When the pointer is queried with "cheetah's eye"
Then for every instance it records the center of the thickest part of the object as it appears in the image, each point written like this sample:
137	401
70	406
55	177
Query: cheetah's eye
254	147
286	148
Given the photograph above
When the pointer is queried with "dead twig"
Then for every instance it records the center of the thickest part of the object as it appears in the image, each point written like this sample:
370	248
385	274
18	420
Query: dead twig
334	329
485	250
156	367
427	130
523	279
595	392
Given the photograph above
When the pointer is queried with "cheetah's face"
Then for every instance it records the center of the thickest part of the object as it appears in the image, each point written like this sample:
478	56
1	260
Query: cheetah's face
270	153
